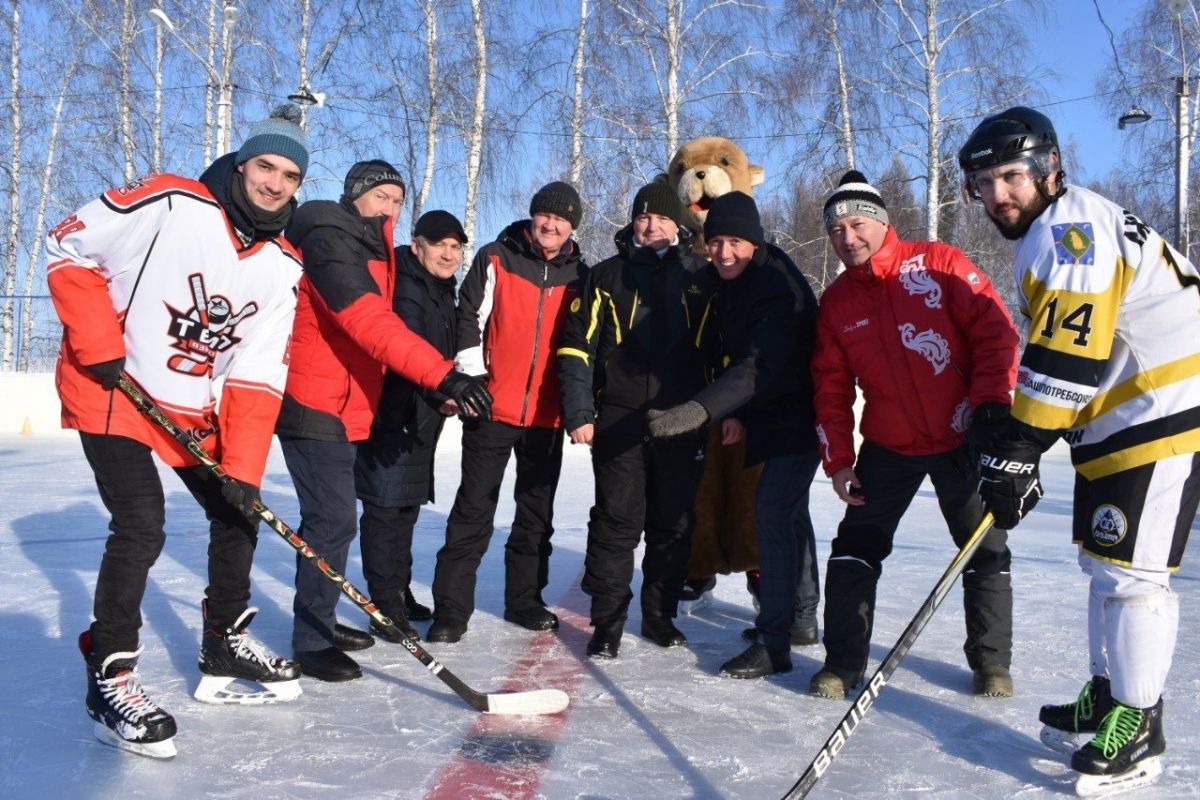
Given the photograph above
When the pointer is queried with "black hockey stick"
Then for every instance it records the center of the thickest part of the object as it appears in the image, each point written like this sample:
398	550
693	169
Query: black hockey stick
870	693
539	701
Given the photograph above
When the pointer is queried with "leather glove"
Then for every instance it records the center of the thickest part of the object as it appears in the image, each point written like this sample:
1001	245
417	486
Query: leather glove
988	422
470	393
1008	482
107	372
241	495
677	420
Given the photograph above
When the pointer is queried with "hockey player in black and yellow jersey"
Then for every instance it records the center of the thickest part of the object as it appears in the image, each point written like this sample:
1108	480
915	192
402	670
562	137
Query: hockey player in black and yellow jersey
1113	367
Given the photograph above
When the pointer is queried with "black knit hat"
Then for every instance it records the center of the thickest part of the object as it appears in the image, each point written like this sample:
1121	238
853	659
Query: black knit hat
558	198
734	214
657	198
854	197
437	225
365	174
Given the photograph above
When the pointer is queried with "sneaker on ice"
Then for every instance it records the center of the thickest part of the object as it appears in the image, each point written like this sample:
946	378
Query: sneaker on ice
1062	724
125	717
228	654
1124	753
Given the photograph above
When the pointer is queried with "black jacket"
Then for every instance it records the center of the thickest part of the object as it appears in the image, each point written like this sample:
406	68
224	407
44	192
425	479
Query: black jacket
633	340
766	319
395	465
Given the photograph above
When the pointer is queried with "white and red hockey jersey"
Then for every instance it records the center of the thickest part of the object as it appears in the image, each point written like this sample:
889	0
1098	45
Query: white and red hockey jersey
154	272
1113	360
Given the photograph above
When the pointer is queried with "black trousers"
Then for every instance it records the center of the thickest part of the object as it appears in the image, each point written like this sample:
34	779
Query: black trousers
385	540
132	492
640	486
486	447
890	481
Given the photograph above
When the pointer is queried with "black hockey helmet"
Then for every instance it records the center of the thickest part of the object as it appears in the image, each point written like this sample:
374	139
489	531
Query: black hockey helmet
1012	134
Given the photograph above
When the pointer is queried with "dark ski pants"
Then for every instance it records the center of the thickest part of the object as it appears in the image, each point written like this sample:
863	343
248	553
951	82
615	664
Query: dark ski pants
323	474
890	481
787	548
486	447
132	492
385	540
648	486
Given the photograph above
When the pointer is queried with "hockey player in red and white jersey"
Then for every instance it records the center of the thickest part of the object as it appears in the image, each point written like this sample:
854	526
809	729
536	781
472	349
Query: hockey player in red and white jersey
182	284
1113	367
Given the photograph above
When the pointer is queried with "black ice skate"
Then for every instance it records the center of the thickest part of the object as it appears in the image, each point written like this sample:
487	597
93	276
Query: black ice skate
1064	723
1124	753
229	654
125	717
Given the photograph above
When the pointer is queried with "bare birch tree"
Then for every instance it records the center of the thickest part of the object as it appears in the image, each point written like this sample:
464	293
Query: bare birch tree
474	143
12	239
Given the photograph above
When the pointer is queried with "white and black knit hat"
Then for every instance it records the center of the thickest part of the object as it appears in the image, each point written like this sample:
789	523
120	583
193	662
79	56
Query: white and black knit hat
854	197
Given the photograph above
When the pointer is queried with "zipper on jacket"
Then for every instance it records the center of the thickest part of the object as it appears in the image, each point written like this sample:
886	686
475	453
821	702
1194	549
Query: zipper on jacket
537	335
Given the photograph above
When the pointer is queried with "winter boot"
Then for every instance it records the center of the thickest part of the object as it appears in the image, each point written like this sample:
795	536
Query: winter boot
992	681
1124	753
756	661
228	654
125	717
402	630
833	683
414	610
1063	723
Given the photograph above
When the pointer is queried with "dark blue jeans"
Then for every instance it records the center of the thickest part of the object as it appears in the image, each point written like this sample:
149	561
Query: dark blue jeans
787	548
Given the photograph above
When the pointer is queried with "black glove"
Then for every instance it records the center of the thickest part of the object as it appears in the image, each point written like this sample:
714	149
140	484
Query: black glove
677	420
470	393
1008	482
988	422
107	372
241	495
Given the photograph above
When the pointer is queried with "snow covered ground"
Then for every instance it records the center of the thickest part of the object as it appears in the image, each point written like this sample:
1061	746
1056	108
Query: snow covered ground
654	723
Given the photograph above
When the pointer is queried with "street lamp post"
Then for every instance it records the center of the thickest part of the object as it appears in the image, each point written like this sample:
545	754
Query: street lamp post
1182	154
221	80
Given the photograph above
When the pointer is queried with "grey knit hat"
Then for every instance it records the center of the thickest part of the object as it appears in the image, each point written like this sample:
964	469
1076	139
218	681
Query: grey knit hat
657	198
365	174
560	199
279	135
854	197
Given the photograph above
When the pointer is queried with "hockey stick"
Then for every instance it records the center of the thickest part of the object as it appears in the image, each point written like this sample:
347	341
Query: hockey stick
870	693
539	701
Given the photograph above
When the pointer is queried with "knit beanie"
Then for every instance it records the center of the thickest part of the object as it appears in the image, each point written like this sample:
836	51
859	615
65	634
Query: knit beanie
365	174
558	198
657	198
734	214
278	135
854	197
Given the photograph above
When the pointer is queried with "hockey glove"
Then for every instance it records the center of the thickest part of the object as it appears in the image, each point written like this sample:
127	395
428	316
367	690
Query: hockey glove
988	422
470	393
677	420
107	372
1008	482
241	495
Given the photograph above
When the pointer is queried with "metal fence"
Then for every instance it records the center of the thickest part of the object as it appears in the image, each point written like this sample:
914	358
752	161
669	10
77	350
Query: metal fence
36	339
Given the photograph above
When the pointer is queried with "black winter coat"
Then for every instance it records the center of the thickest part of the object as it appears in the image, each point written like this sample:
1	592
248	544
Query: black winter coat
766	319
395	465
633	339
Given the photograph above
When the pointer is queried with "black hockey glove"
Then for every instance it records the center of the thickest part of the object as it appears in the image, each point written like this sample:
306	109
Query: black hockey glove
107	372
1008	482
988	422
241	495
470	393
677	420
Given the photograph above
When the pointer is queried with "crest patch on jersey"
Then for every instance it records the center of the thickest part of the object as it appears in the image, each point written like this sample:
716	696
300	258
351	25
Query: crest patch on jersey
1109	525
205	330
1074	243
575	305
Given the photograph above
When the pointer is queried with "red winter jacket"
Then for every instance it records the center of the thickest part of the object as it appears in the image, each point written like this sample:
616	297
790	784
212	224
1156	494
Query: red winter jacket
923	332
346	335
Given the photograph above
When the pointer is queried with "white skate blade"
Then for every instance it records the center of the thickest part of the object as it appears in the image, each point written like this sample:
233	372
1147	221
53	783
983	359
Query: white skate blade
1061	741
216	689
164	749
1143	773
690	607
539	701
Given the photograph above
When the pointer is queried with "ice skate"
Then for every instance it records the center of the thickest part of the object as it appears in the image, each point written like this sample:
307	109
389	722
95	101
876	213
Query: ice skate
229	654
125	717
696	595
1063	724
1125	752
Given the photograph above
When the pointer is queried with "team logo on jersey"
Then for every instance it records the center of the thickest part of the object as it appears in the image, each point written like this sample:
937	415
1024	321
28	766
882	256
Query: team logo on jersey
916	280
1074	243
1109	525
962	416
205	330
929	343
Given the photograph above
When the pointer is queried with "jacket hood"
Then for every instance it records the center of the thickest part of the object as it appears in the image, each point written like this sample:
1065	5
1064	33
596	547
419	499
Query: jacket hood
341	217
516	237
